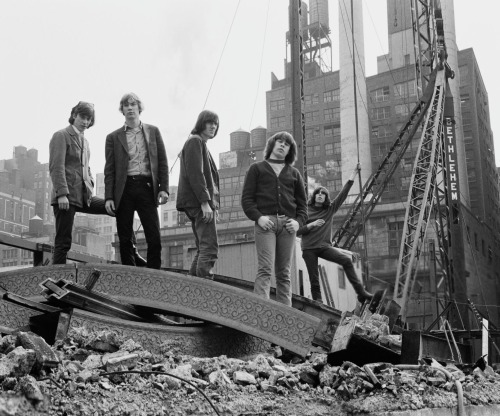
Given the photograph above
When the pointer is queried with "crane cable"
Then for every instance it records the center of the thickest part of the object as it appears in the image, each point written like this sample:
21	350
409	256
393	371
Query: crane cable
356	87
215	73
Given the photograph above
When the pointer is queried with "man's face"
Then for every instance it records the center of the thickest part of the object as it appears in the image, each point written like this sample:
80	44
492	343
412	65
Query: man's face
210	129
130	108
320	197
280	150
82	122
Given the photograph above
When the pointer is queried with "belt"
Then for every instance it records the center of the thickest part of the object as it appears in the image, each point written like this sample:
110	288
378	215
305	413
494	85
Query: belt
139	178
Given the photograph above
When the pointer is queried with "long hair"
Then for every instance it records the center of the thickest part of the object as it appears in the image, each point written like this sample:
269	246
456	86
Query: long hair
288	138
312	199
134	97
85	109
206	116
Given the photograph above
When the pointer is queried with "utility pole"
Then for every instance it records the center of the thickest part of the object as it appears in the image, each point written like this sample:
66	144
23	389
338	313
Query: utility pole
297	86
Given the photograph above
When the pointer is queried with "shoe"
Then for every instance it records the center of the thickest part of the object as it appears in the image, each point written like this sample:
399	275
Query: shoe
364	295
139	260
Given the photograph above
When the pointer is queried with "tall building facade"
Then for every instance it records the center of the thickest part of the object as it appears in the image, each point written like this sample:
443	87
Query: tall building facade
390	97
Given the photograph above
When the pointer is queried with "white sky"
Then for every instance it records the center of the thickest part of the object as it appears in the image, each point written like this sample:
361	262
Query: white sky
55	53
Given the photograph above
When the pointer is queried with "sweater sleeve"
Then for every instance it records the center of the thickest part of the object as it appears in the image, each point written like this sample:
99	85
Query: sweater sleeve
248	198
300	200
341	197
303	230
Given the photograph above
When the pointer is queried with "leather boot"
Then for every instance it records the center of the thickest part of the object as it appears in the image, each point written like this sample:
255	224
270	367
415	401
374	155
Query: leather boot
363	294
139	260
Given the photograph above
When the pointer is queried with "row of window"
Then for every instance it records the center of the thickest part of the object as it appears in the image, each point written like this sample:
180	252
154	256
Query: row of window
309	99
401	90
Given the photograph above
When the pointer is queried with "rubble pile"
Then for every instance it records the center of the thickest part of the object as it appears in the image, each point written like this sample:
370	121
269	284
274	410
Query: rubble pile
376	328
98	373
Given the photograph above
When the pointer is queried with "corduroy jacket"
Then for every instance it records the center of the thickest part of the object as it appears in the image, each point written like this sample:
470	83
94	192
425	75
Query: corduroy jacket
264	193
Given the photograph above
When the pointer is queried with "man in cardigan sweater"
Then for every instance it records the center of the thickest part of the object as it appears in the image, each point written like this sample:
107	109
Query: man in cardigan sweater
274	197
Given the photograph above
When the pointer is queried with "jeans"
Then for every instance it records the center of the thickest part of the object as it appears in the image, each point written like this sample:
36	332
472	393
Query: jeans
274	249
64	226
334	255
207	246
138	196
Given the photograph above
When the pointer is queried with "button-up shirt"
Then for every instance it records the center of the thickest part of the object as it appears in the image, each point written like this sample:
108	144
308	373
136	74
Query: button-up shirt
137	151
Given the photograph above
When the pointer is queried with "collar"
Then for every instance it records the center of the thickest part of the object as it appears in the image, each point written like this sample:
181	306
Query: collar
78	132
277	161
127	128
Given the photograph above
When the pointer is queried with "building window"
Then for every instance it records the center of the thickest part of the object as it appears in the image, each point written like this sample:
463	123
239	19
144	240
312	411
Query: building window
332	114
380	132
402	110
381	113
175	256
331	131
329	148
311	116
395	236
381	94
405	89
331	96
277	104
311	99
334	184
312	134
314	169
277	122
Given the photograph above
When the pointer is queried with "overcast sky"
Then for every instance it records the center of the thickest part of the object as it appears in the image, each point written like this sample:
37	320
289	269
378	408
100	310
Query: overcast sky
176	55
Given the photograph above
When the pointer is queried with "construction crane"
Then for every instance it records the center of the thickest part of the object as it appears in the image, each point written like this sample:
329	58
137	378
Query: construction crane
434	189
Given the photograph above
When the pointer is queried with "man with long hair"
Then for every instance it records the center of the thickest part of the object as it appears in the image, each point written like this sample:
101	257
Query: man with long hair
317	239
274	197
198	192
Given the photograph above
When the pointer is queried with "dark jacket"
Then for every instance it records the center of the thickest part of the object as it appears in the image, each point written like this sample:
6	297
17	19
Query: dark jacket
198	178
264	193
69	168
117	158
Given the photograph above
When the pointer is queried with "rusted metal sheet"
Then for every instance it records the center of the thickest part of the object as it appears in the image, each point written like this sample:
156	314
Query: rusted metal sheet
209	301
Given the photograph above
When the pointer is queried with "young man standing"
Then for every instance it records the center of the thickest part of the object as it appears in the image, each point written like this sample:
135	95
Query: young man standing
198	192
136	180
274	197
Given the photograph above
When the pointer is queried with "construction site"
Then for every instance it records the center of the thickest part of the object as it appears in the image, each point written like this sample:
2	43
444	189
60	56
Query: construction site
93	337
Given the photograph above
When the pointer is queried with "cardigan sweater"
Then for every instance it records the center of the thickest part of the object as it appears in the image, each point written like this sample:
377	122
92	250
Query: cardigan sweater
322	236
265	193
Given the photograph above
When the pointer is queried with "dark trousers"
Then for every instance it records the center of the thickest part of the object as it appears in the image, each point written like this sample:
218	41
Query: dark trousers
334	255
64	226
207	246
138	197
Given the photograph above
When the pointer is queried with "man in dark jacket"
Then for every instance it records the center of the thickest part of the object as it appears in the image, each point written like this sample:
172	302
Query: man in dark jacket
136	179
198	192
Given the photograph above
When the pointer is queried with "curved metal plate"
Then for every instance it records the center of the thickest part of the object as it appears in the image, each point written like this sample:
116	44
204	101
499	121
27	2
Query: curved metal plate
209	301
25	282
